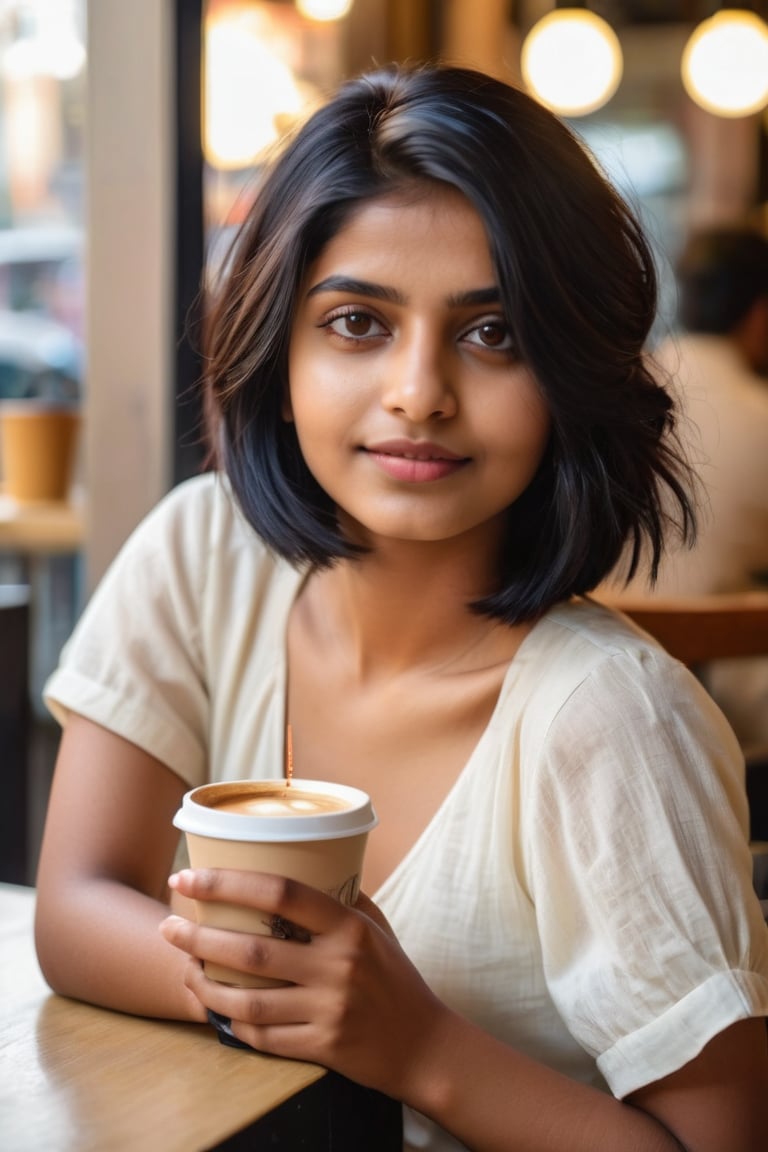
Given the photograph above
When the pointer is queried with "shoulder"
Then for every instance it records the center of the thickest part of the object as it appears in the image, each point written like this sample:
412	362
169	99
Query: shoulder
600	645
620	712
198	519
603	680
586	635
194	548
203	505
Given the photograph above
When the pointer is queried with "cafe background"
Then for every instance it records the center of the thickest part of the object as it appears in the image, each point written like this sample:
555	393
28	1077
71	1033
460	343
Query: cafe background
130	134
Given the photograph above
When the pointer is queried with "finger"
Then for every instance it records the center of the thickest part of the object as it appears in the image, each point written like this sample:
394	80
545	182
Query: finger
252	954
275	1021
288	1021
289	1041
285	1006
274	895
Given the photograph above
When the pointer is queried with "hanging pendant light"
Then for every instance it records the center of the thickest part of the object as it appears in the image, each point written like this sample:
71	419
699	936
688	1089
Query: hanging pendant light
572	61
323	10
242	71
725	63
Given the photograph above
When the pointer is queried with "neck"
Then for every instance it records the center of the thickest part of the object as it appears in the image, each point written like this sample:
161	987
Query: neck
404	607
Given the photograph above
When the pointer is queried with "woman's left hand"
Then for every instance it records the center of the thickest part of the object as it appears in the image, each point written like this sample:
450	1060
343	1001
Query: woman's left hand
355	1002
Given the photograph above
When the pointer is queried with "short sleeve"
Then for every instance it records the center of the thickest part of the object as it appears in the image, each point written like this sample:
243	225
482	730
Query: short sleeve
652	938
134	662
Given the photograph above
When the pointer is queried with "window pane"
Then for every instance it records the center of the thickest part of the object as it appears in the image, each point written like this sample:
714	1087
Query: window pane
42	101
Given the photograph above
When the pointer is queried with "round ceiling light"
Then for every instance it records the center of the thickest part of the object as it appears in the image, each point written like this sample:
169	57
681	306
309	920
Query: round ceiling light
725	63
572	61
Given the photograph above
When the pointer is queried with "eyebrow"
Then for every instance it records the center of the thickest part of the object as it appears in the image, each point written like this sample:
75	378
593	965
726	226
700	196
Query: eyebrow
475	296
355	287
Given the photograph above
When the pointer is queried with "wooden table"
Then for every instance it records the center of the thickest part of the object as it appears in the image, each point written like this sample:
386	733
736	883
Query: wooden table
74	1078
41	528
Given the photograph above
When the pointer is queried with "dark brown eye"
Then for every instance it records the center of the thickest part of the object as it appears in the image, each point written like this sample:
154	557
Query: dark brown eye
492	334
357	323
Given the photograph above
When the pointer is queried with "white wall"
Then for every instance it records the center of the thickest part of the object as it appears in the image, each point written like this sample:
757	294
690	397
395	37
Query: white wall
129	236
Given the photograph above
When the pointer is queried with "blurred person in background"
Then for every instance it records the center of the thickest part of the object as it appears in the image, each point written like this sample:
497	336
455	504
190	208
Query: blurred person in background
719	364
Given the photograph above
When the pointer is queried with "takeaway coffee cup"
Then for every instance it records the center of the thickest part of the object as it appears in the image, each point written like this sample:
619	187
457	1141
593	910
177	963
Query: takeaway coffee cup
38	443
310	830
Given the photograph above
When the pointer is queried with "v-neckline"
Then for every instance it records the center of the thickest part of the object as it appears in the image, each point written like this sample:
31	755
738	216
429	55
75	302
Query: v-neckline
509	674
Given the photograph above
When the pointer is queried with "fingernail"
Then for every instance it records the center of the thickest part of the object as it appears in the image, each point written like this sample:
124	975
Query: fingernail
176	877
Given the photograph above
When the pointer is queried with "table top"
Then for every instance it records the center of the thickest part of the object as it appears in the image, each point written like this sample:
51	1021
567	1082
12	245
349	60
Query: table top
42	527
75	1078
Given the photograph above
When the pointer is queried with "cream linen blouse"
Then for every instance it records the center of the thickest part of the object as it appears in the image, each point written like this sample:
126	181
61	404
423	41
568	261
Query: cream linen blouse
583	893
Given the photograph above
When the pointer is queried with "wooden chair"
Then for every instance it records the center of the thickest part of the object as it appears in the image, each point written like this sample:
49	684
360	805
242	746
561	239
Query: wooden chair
698	629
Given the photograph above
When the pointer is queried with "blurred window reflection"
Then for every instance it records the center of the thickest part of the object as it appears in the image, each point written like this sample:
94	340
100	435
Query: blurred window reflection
42	295
265	67
42	106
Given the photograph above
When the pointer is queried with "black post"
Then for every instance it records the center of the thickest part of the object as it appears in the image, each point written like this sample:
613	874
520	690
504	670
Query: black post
188	447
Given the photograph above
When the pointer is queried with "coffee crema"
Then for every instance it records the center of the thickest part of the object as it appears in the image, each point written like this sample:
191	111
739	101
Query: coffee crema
283	801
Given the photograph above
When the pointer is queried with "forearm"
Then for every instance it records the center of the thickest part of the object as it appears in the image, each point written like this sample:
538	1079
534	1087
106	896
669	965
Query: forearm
102	890
494	1099
98	941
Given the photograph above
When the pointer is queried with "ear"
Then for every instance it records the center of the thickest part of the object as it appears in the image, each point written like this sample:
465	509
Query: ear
286	408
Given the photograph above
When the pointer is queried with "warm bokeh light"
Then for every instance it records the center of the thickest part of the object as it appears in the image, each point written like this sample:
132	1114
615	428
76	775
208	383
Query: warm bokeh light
572	61
324	9
47	42
725	63
249	91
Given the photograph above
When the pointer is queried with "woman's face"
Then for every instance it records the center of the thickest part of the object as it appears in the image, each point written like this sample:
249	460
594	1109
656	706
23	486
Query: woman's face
411	407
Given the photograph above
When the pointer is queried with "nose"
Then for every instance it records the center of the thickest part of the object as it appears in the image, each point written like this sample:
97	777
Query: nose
419	383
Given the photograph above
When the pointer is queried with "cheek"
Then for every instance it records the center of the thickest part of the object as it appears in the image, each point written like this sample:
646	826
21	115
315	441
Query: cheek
324	400
317	416
525	427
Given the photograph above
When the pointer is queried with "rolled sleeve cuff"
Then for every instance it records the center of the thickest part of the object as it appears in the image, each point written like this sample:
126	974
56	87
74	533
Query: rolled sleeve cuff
676	1037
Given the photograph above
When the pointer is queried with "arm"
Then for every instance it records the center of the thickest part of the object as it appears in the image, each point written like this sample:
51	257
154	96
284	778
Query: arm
715	1103
102	883
358	1005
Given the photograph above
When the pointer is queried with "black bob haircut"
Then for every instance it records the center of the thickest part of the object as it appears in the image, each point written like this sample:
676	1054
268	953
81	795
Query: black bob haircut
578	287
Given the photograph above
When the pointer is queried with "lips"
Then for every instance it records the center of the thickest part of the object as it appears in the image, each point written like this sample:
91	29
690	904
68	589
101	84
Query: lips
415	461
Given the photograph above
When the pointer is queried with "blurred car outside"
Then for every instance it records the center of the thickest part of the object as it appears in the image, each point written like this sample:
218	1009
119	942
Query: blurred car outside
41	309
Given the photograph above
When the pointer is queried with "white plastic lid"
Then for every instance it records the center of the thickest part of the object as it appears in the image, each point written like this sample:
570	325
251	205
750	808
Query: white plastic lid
200	815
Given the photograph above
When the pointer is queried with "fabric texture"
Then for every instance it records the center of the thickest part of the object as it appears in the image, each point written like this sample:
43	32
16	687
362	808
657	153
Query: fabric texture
584	891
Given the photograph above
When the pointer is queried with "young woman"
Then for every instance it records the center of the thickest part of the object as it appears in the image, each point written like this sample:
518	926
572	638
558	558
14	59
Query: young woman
436	433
